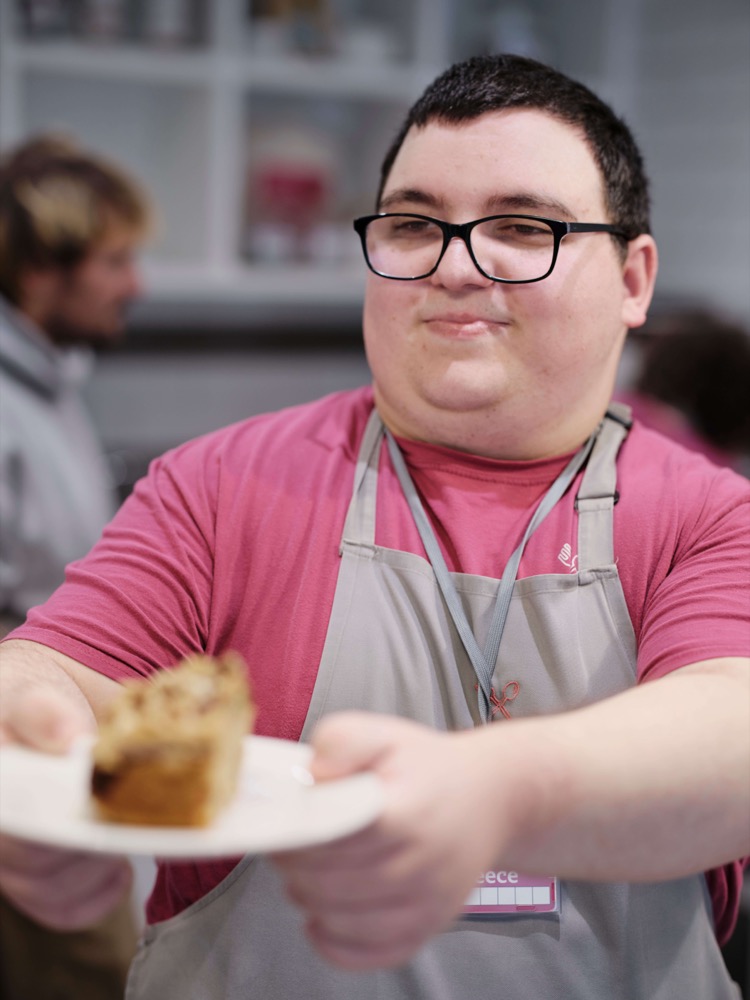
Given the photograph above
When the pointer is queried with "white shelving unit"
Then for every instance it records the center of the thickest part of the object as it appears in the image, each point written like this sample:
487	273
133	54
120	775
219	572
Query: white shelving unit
186	122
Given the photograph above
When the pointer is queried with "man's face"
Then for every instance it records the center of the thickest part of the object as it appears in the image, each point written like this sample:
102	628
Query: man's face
88	304
518	371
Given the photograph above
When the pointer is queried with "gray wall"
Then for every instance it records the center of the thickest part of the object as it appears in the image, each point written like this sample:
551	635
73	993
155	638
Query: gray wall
693	121
145	403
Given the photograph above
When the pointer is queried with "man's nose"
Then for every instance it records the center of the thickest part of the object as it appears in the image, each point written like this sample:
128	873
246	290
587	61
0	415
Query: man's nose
457	268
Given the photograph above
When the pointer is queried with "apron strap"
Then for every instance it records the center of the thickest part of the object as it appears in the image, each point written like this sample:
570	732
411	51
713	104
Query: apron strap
359	526
598	493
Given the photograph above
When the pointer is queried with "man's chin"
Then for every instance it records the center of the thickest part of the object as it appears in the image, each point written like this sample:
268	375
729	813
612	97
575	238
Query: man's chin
107	341
98	339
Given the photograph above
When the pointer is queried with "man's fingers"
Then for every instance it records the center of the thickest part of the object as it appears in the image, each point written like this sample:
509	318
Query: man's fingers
64	890
344	744
370	939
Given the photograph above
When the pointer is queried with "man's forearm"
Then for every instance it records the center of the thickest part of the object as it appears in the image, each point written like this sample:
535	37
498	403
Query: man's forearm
651	784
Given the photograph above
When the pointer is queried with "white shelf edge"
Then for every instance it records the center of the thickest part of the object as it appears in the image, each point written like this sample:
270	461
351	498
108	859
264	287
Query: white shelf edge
335	284
281	74
339	77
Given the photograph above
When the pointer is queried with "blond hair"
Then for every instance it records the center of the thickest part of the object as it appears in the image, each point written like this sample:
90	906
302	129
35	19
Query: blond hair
57	202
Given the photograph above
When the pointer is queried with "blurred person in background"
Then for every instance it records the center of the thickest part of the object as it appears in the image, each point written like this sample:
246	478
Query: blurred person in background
692	383
70	226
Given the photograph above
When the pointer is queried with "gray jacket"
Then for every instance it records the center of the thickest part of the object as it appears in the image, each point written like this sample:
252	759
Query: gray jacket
56	491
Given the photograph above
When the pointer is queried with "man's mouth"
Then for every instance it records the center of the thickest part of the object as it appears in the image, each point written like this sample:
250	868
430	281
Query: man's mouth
462	325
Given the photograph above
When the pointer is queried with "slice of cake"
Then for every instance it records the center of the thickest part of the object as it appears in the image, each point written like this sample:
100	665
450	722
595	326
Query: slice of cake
169	749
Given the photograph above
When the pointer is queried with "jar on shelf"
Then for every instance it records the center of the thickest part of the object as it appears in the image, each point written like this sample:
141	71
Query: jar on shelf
104	20
291	185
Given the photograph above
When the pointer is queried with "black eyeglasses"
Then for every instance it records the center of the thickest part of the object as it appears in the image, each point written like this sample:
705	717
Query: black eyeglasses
510	248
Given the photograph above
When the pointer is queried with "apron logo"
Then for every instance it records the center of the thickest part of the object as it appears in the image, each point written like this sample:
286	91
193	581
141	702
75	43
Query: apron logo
567	558
508	694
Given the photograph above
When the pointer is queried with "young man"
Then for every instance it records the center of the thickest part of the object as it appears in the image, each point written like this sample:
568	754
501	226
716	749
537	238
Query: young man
470	540
70	225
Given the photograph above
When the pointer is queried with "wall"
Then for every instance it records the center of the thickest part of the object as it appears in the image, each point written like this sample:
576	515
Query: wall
147	402
693	121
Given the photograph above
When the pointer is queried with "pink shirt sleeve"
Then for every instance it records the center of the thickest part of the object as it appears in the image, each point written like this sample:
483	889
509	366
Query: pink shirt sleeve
159	544
682	538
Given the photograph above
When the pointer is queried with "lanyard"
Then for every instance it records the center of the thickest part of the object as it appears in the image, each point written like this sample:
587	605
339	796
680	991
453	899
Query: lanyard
483	661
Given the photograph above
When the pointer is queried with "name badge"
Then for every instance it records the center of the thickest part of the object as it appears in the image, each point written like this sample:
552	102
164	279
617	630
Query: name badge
502	893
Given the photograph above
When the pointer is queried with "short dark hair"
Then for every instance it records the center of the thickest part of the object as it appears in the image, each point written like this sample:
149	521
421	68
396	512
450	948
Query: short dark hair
57	201
498	82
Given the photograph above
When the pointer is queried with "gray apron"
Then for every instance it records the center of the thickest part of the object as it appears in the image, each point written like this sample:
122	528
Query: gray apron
391	647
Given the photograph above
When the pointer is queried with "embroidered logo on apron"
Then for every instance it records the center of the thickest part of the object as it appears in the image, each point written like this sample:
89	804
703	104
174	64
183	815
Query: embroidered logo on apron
498	706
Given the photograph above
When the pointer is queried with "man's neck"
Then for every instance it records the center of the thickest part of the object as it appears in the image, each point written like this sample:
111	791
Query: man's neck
500	435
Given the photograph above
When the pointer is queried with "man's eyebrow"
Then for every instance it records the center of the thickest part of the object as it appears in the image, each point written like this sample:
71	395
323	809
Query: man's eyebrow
525	201
412	196
521	201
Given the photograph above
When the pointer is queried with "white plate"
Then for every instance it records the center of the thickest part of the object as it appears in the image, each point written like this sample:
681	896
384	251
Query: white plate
45	798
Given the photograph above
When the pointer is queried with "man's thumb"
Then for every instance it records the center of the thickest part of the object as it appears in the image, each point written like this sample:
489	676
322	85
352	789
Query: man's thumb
347	742
44	719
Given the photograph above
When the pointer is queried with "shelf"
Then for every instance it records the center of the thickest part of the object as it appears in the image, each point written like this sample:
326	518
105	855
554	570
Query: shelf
284	74
290	74
295	284
190	123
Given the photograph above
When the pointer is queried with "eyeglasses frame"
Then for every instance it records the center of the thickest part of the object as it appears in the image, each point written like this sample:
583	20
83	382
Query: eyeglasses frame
463	230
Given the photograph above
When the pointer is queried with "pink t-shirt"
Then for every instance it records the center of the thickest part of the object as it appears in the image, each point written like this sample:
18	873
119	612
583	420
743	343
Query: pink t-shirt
232	542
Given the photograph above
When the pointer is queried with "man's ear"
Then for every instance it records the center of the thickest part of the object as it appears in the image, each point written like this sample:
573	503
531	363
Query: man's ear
639	277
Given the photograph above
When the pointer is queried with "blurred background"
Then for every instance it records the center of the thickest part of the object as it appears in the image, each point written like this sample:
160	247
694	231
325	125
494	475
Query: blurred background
258	128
